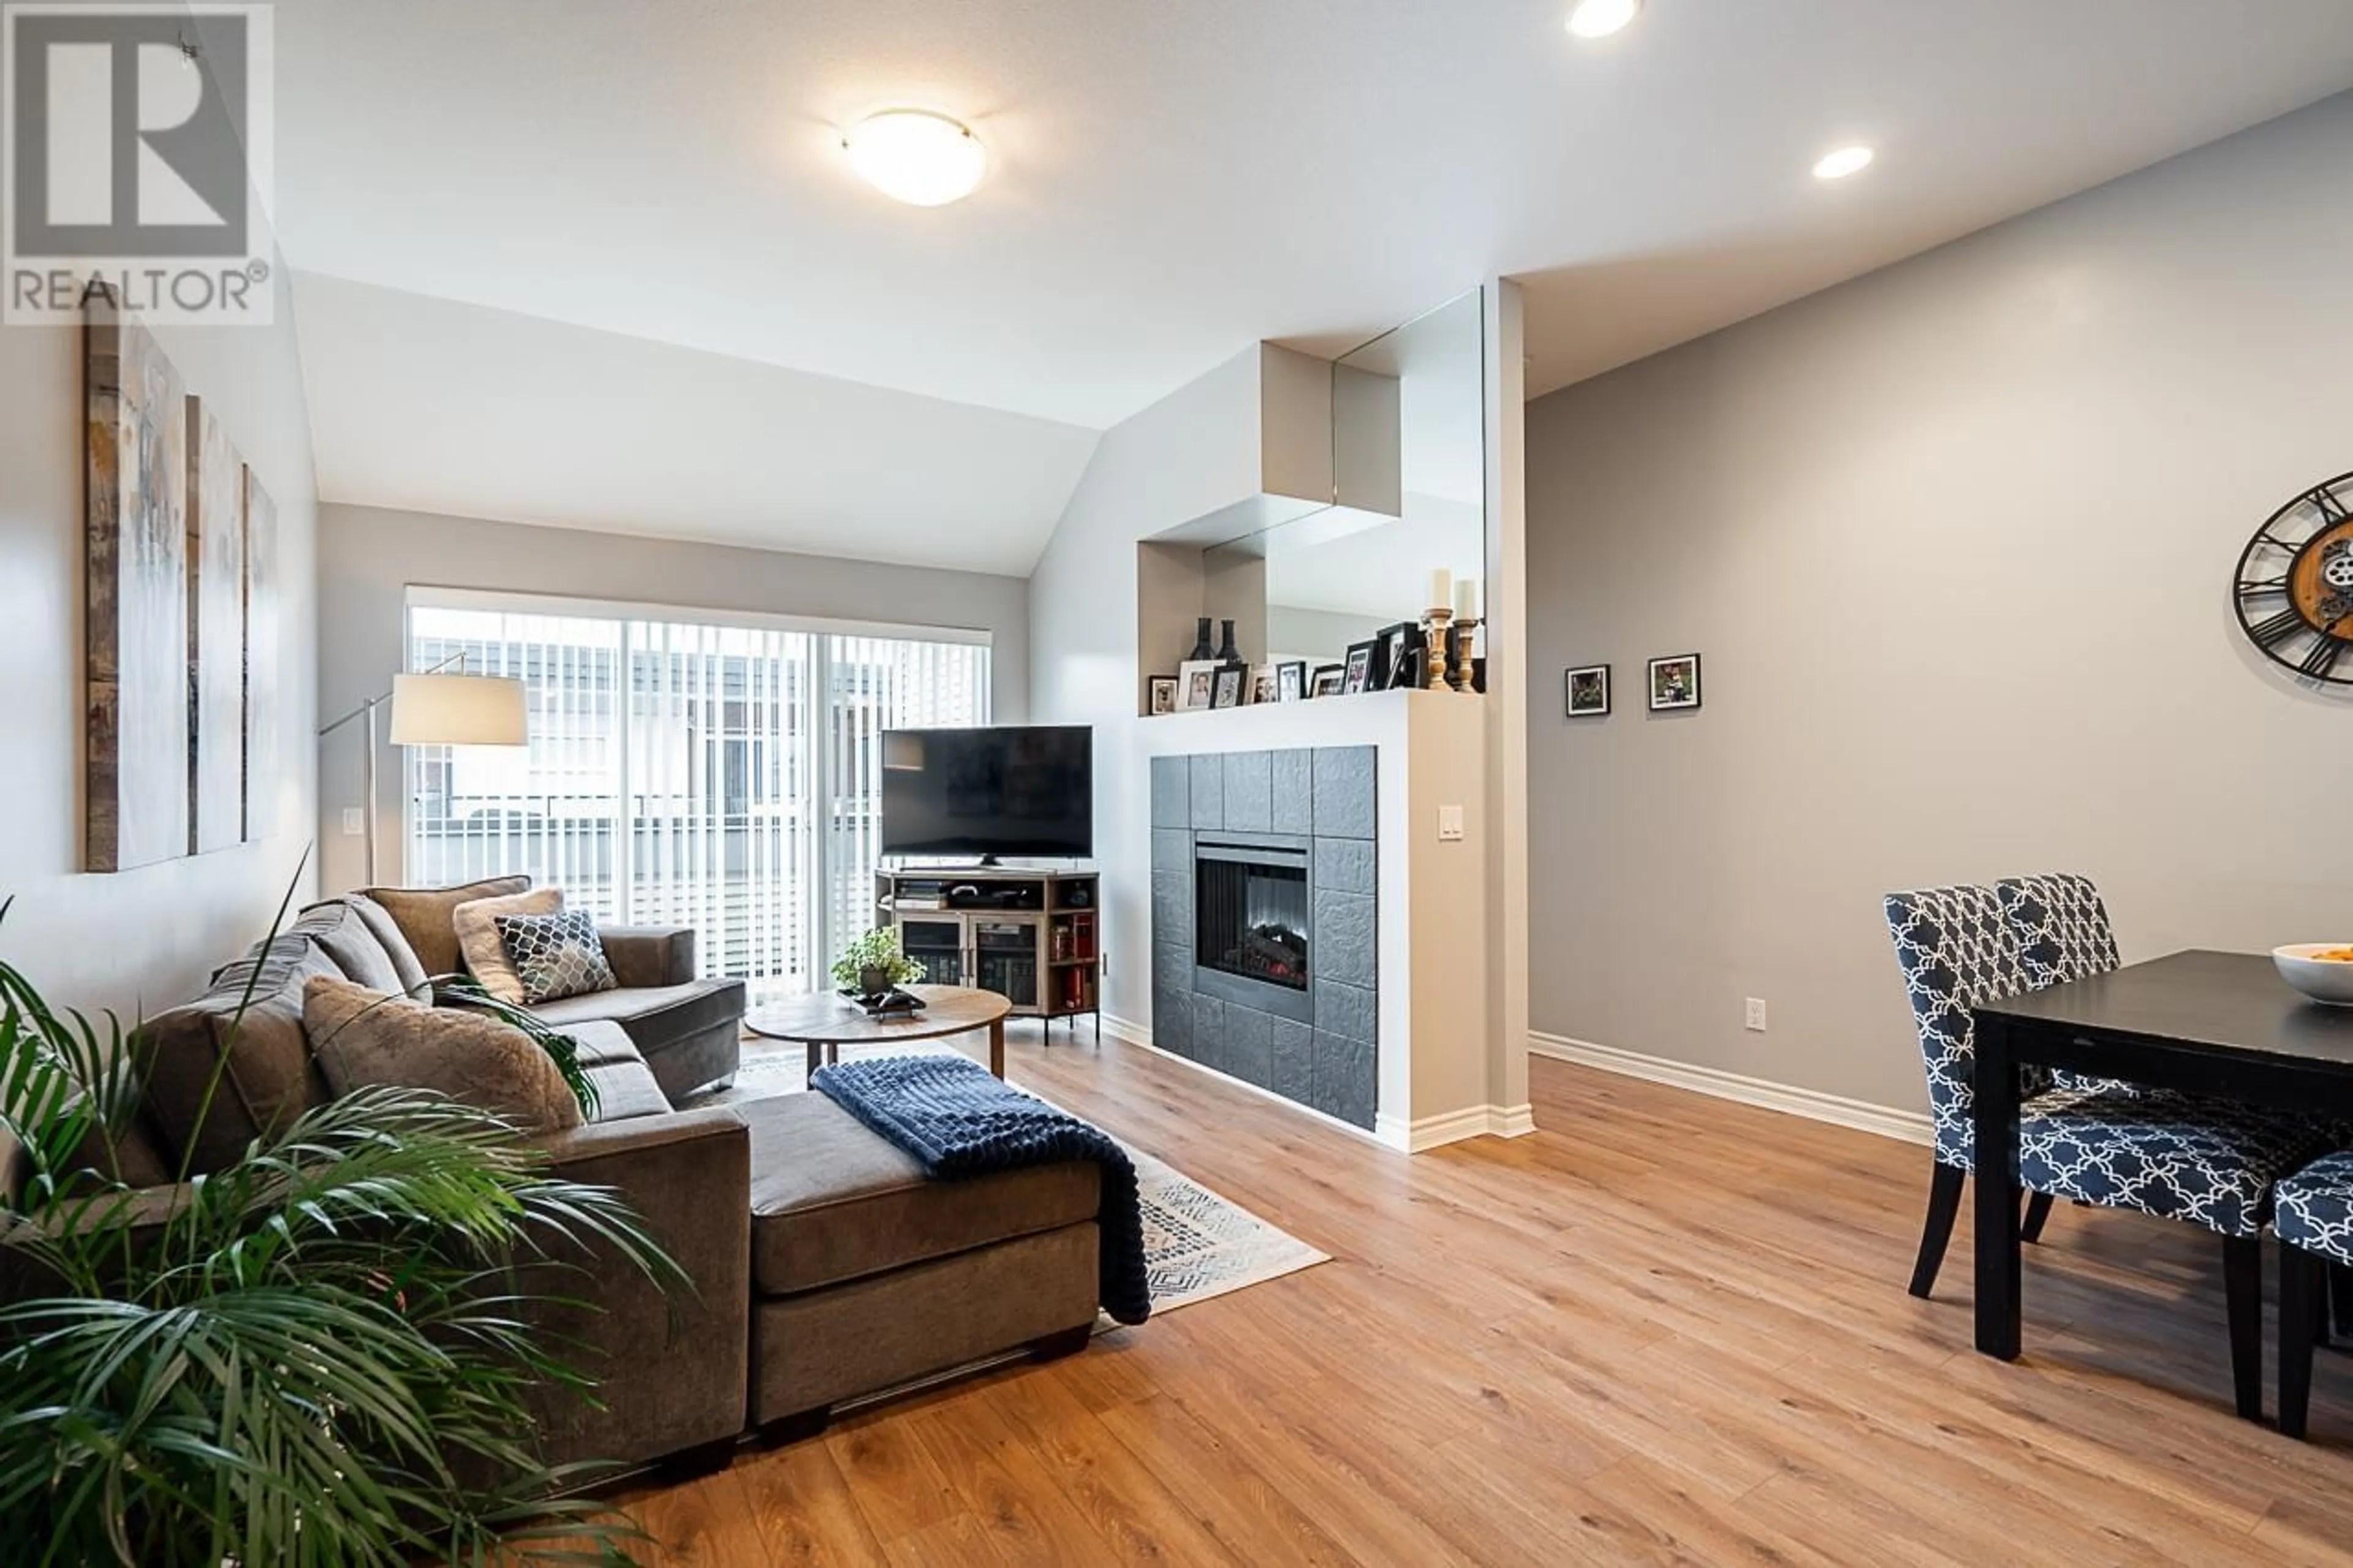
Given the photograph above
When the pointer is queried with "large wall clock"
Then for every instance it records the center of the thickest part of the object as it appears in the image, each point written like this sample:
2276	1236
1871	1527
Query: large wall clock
2295	583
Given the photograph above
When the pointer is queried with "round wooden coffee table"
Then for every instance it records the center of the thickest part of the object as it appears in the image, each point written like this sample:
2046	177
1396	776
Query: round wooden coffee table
825	1022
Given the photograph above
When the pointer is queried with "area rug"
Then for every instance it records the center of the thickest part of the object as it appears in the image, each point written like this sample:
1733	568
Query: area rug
1197	1244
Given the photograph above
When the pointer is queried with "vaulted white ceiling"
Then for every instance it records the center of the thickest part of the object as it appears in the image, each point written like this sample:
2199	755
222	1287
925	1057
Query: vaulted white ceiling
1170	183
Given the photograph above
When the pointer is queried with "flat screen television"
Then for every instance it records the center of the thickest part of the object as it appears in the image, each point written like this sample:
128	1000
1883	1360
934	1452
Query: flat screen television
1024	790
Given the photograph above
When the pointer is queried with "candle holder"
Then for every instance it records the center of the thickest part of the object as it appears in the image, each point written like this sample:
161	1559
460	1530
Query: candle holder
1434	658
1464	675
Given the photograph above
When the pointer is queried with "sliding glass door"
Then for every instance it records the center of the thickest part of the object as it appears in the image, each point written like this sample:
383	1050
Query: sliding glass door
728	782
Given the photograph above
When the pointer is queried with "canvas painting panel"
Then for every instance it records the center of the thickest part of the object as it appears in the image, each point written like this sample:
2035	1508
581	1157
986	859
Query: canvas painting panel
136	610
216	586
261	616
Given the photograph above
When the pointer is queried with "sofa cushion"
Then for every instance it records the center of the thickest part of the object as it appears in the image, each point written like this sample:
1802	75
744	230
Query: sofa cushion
125	1152
405	965
600	1041
423	916
269	1078
366	1039
479	947
356	949
831	1201
625	1089
654	1015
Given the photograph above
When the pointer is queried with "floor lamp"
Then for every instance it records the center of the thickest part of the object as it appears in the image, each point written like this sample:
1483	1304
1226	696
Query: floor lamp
435	709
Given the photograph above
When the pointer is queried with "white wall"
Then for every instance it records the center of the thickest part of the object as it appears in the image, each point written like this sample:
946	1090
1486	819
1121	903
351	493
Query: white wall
1956	541
146	937
1188	454
369	557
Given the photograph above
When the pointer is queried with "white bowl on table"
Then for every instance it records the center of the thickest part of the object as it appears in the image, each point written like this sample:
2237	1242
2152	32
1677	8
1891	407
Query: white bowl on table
2322	979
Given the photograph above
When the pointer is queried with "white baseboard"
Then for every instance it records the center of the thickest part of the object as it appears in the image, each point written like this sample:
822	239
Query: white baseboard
1906	1126
1389	1132
1454	1126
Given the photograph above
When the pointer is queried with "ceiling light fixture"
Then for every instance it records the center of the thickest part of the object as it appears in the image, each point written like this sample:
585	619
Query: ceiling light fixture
1599	18
1846	161
924	159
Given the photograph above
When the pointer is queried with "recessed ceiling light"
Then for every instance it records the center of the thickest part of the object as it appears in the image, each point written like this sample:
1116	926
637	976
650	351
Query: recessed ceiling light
924	159
1599	18
1846	161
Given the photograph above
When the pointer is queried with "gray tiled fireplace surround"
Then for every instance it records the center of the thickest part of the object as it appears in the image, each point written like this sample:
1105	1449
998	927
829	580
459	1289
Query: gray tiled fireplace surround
1324	797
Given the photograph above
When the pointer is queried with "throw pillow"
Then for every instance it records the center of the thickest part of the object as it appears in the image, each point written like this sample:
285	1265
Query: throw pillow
556	955
364	1037
478	942
423	916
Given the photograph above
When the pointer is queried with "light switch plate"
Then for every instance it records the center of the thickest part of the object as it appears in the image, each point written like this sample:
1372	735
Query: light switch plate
354	822
1449	824
1755	1018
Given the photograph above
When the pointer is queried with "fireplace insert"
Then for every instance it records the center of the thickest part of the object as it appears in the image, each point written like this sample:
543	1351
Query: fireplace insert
1251	922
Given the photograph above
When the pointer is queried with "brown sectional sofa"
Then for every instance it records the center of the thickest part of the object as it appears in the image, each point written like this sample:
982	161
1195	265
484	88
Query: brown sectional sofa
826	1269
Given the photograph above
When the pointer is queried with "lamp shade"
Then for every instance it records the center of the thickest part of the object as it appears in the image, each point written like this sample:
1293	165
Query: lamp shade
458	711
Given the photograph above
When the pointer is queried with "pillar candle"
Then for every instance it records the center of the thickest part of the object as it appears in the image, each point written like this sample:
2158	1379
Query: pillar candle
1466	599
1441	583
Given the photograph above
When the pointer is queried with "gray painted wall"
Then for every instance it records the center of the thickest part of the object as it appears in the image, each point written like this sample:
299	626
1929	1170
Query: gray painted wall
368	558
1956	541
147	937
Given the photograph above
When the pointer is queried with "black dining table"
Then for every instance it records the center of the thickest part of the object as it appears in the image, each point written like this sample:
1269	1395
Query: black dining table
2222	1024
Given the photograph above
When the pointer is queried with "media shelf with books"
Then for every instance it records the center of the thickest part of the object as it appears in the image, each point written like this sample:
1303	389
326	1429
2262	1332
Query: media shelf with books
1032	934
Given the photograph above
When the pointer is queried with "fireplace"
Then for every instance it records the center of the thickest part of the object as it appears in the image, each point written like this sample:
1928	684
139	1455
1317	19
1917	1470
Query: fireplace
1252	940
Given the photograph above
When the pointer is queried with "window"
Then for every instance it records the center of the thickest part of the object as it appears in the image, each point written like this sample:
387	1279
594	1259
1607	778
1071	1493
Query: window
721	775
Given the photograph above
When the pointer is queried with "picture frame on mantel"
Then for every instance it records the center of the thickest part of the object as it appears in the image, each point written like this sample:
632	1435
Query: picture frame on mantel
1162	699
1196	685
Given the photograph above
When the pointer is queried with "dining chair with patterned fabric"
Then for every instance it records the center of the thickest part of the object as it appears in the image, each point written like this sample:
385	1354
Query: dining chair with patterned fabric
2205	1162
2313	1218
1956	951
2063	935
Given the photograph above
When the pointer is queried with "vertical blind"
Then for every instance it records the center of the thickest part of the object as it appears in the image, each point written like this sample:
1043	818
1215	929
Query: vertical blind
720	776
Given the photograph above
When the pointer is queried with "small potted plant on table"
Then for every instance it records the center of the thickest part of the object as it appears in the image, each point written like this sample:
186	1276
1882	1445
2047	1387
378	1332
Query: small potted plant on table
875	964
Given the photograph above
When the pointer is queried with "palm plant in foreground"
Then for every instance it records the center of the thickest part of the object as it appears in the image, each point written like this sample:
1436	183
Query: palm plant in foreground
320	1354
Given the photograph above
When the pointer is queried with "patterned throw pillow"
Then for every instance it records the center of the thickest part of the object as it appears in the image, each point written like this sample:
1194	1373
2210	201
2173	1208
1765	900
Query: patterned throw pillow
555	955
476	922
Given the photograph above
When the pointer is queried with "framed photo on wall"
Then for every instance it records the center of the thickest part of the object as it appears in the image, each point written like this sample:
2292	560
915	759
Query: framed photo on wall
1674	682
1163	695
1588	691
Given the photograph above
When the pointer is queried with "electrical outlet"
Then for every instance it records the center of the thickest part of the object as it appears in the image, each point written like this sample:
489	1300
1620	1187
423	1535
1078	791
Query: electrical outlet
1449	824
1755	1019
354	822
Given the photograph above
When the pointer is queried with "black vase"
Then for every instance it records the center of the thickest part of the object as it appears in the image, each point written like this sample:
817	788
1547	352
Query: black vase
1226	654
1201	649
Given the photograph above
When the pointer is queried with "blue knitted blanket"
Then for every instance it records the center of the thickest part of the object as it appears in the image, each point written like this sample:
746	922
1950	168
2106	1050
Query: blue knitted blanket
957	1120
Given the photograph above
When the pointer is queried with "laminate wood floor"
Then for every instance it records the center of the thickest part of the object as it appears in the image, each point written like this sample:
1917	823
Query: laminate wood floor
1663	1328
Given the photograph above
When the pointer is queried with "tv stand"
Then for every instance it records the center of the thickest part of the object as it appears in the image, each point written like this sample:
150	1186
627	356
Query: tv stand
1032	935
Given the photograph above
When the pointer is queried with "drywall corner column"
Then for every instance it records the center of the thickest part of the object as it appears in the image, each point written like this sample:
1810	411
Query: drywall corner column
1506	704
